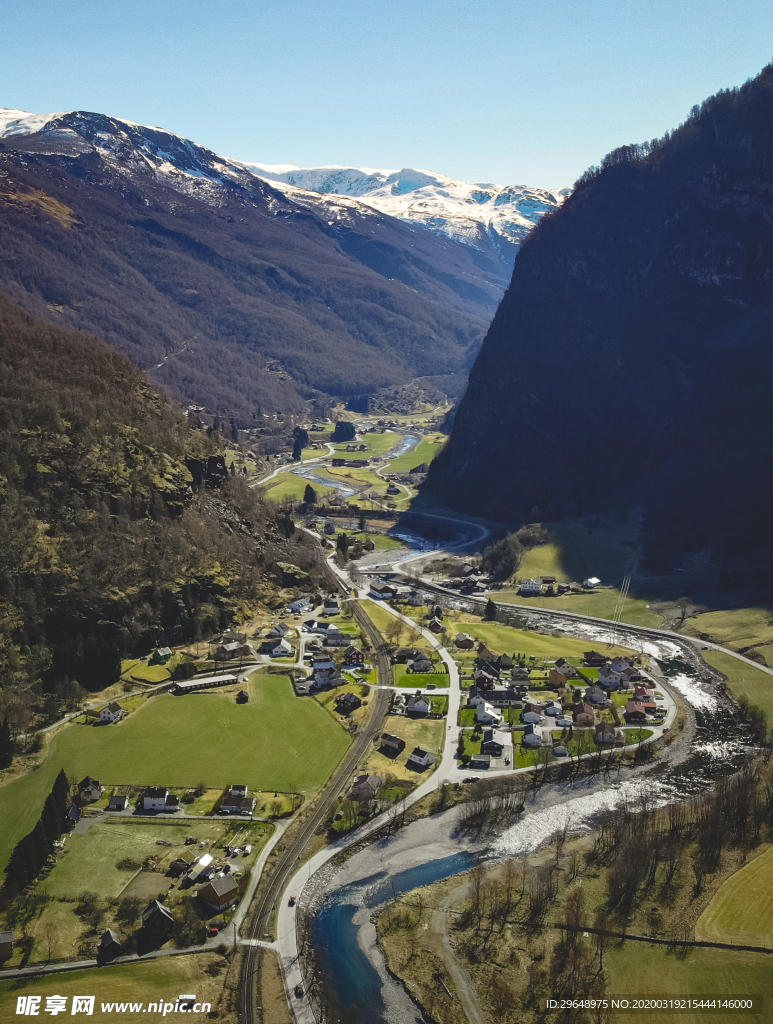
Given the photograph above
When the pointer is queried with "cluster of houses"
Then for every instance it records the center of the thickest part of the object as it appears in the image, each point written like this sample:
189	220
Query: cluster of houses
490	698
550	587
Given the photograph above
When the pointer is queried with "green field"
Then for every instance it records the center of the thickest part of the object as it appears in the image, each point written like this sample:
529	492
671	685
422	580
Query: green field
425	451
161	979
599	603
357	477
377	445
276	742
508	640
382	541
741	912
639	969
744	680
382	618
288	485
419	680
736	628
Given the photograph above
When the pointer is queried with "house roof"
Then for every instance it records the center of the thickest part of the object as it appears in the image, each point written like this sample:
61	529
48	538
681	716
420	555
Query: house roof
388	737
485	758
113	707
223	886
156	909
6	937
418	754
110	938
87	783
156	792
165	652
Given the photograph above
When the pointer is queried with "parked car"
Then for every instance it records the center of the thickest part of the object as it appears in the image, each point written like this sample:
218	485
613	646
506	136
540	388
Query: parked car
291	901
472	778
431	686
299	990
213	929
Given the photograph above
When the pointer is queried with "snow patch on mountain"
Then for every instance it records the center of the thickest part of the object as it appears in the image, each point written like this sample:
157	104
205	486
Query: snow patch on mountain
489	217
461	210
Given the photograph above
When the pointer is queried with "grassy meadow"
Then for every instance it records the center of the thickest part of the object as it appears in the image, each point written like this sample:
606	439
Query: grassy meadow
425	451
162	979
741	912
508	640
416	733
744	680
735	628
275	742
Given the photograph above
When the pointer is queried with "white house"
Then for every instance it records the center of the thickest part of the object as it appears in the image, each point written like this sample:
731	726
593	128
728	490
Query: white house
530	737
299	607
487	714
331	607
531	588
554	709
531	718
591	582
282	649
112	712
419	758
419	705
157	798
609	678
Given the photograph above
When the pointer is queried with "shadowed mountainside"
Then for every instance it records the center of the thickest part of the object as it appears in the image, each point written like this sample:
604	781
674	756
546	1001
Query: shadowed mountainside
631	356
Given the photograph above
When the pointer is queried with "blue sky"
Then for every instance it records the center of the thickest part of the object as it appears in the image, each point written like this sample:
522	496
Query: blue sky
513	93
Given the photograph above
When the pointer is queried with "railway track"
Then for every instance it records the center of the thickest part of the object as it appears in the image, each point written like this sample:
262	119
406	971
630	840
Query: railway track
287	862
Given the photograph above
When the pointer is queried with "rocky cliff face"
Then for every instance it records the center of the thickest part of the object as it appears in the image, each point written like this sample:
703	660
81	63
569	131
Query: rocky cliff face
630	357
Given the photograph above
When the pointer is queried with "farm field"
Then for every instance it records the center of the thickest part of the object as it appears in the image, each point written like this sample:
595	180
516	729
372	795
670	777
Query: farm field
425	451
382	541
276	742
164	978
599	603
377	445
418	680
428	735
744	680
288	485
507	639
356	477
639	969
741	911
736	628
382	619
89	863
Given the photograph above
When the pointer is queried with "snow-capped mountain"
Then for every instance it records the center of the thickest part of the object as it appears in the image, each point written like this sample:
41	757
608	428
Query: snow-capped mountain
468	213
491	218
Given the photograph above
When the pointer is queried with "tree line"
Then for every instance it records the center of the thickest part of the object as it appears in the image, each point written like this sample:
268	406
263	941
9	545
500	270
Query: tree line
34	849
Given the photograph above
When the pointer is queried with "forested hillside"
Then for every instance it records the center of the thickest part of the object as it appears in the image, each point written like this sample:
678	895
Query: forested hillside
631	357
230	294
121	526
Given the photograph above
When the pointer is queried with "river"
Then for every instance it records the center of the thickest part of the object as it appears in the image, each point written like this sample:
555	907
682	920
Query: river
431	849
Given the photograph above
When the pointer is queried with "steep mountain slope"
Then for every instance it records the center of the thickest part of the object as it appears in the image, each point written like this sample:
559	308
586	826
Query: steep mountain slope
121	527
490	218
631	356
227	291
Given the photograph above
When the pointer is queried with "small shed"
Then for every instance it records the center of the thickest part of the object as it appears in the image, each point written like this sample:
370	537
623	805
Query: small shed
220	892
109	944
118	802
6	946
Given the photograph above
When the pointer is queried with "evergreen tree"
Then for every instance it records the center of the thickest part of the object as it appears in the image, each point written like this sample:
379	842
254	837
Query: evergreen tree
234	432
342	543
310	495
6	745
490	612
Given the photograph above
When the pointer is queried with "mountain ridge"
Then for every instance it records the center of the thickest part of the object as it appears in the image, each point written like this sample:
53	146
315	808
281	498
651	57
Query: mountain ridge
191	264
630	357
